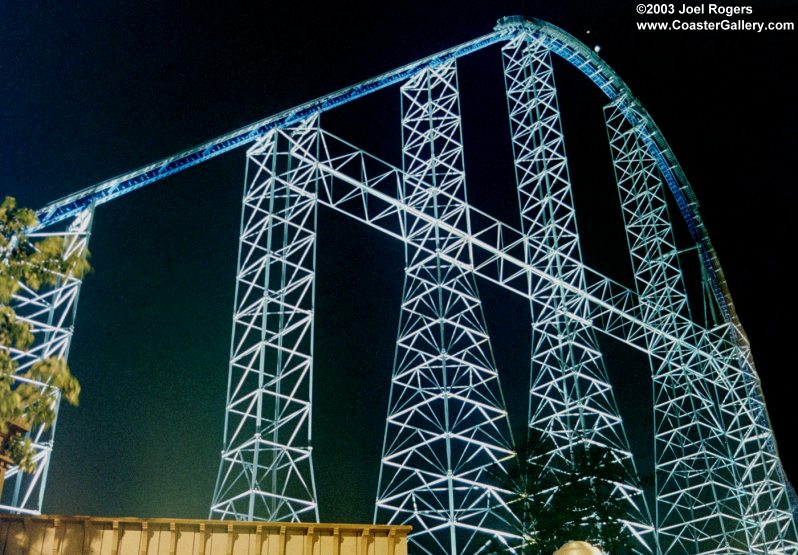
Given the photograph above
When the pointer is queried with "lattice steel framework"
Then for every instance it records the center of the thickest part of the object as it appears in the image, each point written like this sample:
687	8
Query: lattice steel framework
720	486
266	471
50	313
571	401
447	427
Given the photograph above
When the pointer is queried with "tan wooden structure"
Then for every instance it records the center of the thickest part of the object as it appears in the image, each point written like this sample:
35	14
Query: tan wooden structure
79	535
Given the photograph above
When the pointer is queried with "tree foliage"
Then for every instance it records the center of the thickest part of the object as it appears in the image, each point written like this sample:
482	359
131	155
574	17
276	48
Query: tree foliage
35	264
576	499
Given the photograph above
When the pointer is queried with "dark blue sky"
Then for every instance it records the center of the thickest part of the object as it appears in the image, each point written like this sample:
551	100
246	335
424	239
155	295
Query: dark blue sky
88	92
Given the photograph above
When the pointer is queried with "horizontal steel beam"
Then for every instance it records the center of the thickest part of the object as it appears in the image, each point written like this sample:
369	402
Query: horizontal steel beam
357	184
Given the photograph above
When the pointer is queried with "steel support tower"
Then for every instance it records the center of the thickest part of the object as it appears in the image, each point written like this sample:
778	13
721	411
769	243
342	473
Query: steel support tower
447	429
50	313
692	468
571	401
716	476
266	470
719	485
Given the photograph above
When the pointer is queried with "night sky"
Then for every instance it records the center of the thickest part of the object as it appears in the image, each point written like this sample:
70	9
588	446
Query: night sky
92	90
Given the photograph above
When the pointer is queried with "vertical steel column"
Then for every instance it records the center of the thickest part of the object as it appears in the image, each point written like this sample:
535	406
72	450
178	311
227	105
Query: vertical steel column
447	429
51	314
720	486
571	401
266	471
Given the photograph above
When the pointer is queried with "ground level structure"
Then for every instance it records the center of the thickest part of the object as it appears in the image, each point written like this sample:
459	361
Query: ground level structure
89	535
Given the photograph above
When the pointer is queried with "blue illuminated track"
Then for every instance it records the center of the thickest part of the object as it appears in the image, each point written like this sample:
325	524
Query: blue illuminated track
558	41
123	184
587	61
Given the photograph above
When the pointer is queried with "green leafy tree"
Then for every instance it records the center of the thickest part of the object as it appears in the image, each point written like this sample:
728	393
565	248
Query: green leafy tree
579	501
36	264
